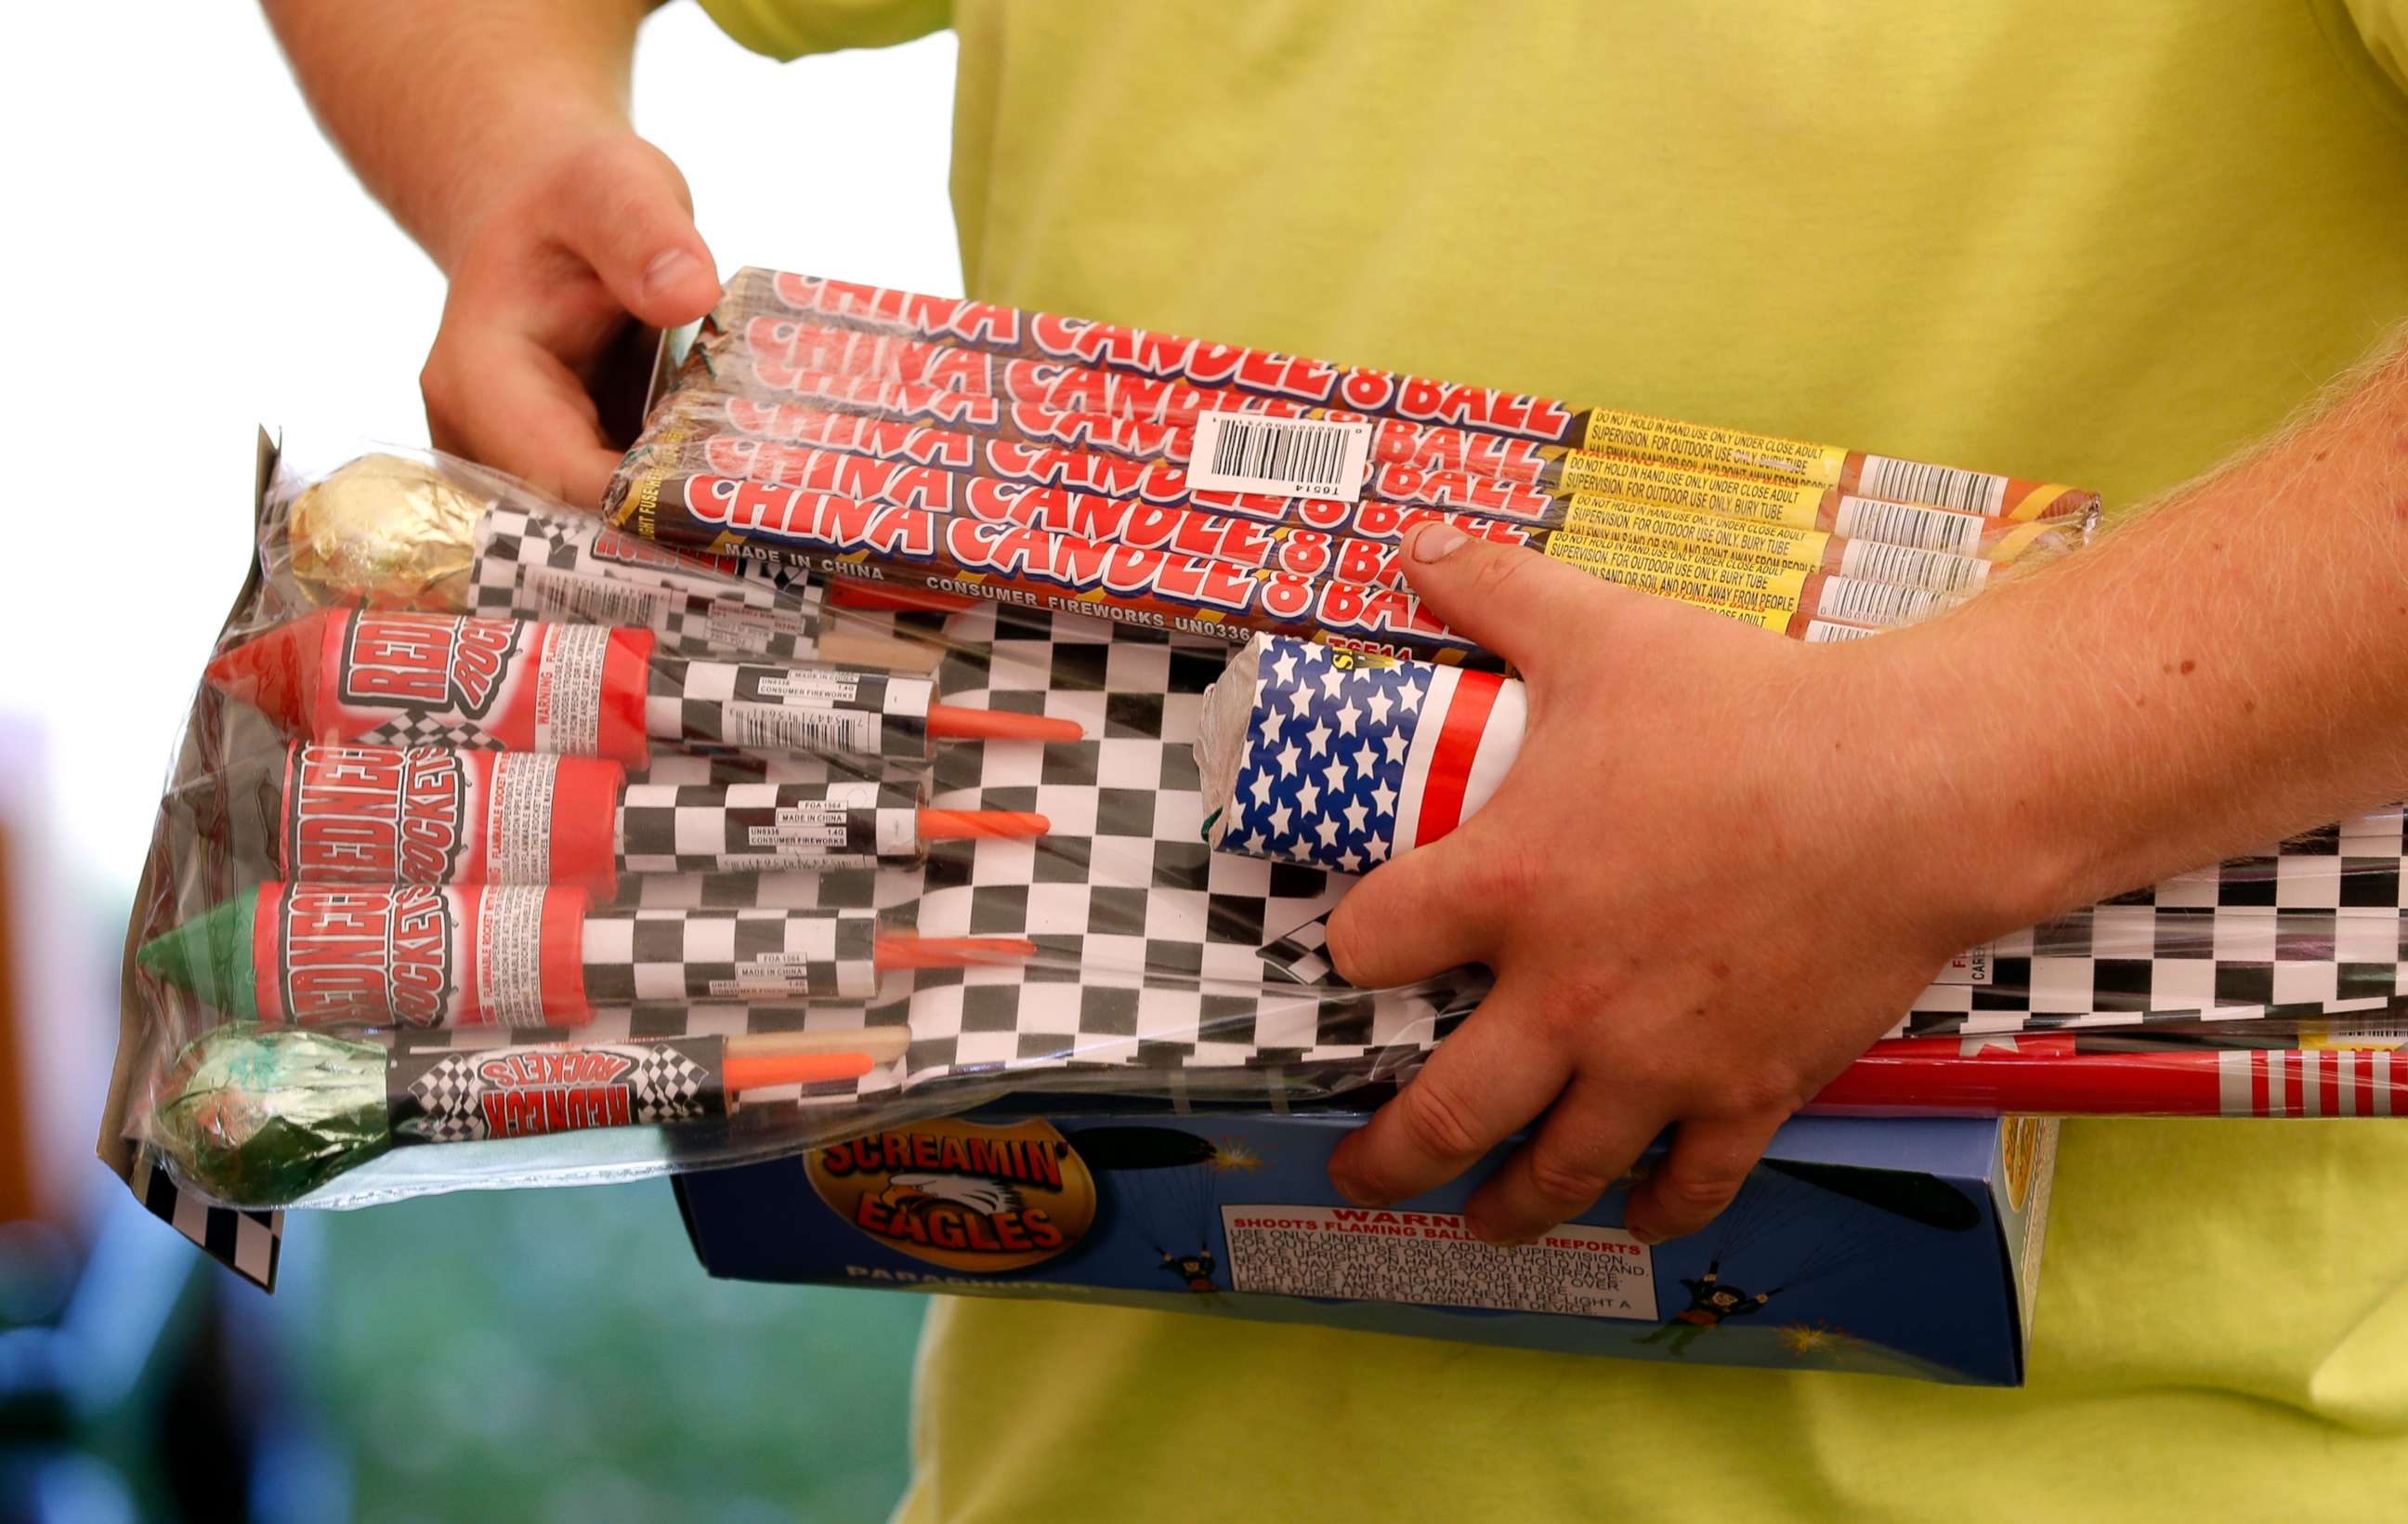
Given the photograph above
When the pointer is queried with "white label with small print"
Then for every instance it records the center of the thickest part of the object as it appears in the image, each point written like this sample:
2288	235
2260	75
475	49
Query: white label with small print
1279	457
1431	1259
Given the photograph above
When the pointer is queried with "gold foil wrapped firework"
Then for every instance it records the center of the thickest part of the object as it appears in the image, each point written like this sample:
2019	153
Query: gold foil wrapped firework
387	531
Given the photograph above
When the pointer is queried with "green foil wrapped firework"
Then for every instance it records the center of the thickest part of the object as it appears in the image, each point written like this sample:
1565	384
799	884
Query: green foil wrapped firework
261	1117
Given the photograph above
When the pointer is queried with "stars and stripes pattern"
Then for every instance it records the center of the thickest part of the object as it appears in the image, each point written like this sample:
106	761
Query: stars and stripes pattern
1348	761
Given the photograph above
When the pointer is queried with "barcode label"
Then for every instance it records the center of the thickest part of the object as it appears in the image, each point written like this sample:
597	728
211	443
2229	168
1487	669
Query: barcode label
1898	524
1874	603
1282	458
1906	481
1874	562
1819	633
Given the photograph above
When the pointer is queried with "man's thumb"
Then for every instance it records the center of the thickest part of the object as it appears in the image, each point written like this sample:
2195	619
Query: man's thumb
629	215
1511	599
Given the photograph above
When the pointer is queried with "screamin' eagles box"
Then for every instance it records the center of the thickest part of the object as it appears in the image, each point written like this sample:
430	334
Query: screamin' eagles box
1898	1247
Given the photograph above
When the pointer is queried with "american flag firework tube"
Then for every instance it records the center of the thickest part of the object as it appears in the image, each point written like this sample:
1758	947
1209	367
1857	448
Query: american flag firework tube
438	815
423	954
260	1116
1342	761
577	690
1578	483
1012	563
1251	543
2068	1075
1009	331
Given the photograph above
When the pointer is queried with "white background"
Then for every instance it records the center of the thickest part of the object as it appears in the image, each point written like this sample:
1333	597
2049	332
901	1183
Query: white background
186	258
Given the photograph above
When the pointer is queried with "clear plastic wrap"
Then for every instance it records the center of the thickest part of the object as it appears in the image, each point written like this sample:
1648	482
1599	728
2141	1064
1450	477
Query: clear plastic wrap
592	847
428	824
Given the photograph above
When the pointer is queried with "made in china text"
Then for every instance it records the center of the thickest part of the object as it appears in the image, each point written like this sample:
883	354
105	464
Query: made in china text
525	1091
366	953
376	815
413	661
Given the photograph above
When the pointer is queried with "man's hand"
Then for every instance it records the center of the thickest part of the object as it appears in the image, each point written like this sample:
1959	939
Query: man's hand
1718	869
496	132
1724	862
601	234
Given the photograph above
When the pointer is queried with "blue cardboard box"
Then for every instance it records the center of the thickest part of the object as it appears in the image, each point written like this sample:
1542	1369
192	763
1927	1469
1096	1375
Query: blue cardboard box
1901	1248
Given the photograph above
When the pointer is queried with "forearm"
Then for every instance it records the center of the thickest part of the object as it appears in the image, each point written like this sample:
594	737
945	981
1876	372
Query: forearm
2227	668
440	105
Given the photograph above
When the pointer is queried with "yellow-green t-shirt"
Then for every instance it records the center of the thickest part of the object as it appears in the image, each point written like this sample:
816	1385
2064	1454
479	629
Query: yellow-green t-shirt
2101	241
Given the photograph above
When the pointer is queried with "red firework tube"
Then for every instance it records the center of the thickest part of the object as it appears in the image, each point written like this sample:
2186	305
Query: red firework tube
1294	379
1245	541
1032	567
1565	487
338	675
1933	1076
423	955
429	815
829	403
436	814
885	461
949	488
1041	402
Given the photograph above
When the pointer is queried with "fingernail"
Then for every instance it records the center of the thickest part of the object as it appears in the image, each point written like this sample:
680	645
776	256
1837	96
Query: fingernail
666	270
1432	540
1356	1193
1645	1235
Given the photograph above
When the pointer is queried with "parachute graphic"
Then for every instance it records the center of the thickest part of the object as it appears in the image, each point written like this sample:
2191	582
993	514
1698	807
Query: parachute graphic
1169	1181
1860	1214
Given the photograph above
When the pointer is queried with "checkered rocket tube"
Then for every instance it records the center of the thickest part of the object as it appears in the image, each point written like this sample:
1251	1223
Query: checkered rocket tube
430	956
730	954
766	827
537	1089
823	710
261	1116
342	676
380	815
576	570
